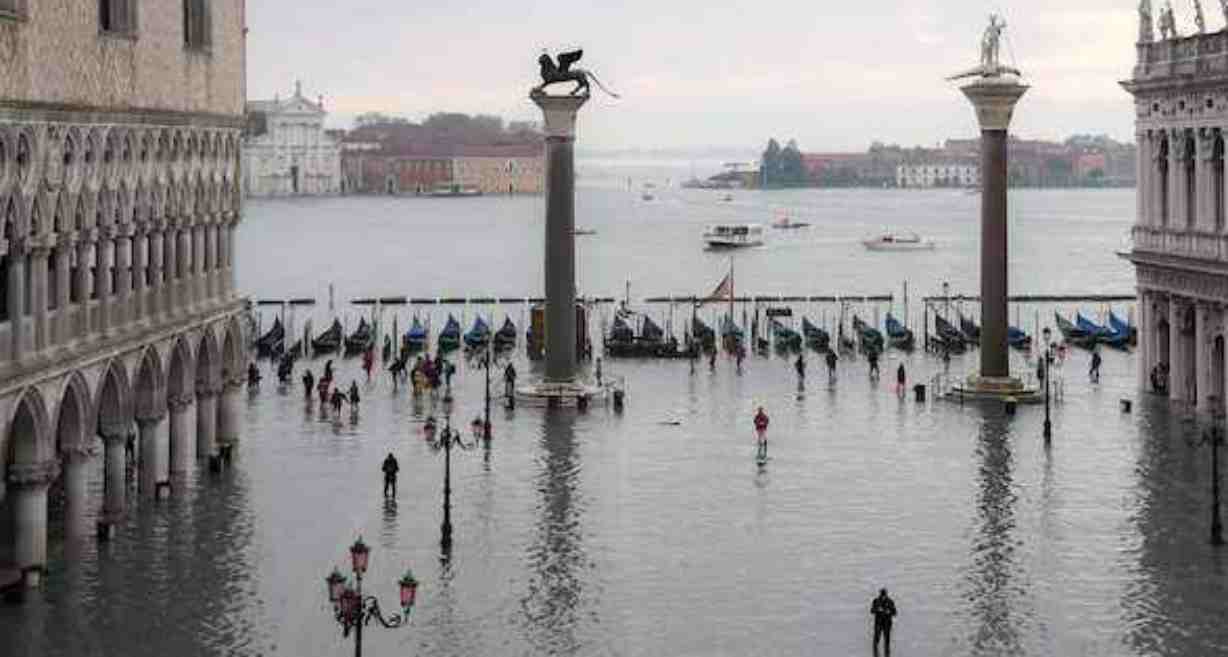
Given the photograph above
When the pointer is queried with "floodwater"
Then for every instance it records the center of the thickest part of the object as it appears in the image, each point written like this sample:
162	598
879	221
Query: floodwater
653	531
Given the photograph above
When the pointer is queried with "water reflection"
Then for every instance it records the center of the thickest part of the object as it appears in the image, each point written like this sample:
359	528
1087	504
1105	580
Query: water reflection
553	605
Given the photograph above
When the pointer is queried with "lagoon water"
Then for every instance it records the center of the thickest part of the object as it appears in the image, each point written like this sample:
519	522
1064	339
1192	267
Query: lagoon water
653	532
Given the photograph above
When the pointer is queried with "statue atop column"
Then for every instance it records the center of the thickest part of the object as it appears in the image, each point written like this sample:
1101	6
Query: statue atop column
1146	25
1223	5
1199	20
991	65
1168	24
552	73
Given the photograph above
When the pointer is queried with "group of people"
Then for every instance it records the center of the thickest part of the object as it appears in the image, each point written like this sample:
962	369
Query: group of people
426	374
328	394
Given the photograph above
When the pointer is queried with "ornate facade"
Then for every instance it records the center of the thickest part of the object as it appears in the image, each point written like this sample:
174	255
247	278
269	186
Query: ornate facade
286	151
119	195
1180	253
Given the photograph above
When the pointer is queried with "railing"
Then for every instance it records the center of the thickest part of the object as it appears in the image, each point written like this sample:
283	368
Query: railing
1185	243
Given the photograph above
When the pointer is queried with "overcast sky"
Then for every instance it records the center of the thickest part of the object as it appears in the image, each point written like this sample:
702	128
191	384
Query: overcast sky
834	75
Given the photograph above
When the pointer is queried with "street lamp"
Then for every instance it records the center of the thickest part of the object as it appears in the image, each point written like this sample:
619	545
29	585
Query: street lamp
446	440
1048	356
486	362
353	610
1215	436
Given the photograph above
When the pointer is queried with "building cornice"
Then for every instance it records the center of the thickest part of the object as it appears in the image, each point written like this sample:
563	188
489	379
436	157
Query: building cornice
22	110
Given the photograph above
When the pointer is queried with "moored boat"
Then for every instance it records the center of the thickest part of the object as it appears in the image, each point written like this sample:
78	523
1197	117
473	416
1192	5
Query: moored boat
479	335
785	337
1074	334
898	242
506	335
360	340
1124	328
416	336
269	343
450	336
703	334
898	335
816	338
1017	338
328	341
972	332
733	236
869	339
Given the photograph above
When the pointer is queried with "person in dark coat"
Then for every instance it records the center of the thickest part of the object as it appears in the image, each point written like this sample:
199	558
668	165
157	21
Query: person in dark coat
1094	372
390	468
309	384
509	380
883	610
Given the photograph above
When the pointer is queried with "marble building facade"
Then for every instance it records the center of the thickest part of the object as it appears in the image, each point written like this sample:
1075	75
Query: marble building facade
120	146
286	150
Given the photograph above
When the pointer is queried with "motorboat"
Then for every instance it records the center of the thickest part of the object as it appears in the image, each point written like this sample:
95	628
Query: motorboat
898	242
733	236
786	223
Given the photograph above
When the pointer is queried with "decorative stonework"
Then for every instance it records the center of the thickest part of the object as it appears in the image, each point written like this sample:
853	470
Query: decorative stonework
33	475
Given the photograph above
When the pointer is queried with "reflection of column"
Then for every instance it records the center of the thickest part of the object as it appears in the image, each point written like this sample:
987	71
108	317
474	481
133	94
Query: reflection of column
76	460
228	414
28	485
16	299
113	440
183	448
152	453
38	294
1176	359
206	422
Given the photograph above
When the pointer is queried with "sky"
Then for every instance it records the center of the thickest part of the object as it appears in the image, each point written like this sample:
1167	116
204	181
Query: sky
712	74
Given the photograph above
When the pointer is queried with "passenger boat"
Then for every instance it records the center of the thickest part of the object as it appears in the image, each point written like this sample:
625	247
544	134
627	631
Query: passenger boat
898	242
416	337
272	340
785	337
784	223
870	339
360	340
972	332
1123	328
506	335
816	338
733	236
450	336
479	335
898	335
328	341
1073	334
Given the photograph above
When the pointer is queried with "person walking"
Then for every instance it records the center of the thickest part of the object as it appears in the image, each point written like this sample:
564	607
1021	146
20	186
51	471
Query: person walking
741	356
598	371
873	357
883	610
1094	372
353	395
309	384
761	427
509	381
901	377
712	361
390	468
831	365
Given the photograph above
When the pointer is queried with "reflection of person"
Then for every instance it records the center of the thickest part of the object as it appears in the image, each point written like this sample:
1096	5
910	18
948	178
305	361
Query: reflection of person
1094	372
883	610
800	366
390	468
509	380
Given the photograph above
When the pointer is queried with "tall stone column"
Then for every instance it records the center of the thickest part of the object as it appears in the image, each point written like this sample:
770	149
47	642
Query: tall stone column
231	224
28	485
114	441
1204	188
139	260
199	272
38	296
63	292
1176	357
228	413
1161	178
123	279
16	299
211	291
560	120
206	422
84	283
157	304
186	286
1143	325
183	440
153	453
76	493
1142	177
170	271
994	99
106	291
1202	360
1176	177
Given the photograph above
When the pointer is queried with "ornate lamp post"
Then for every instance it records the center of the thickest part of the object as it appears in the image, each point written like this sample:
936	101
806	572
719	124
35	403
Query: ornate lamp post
1048	356
353	610
486	362
446	440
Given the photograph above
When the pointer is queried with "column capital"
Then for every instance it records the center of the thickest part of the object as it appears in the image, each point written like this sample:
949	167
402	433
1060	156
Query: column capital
33	475
559	113
179	403
150	420
76	453
994	99
114	431
205	391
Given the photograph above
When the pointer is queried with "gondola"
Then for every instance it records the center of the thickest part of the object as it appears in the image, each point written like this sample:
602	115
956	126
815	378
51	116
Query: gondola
360	340
1102	334
1017	339
1073	334
785	337
416	336
946	337
870	339
703	334
506	335
898	335
1123	328
328	341
816	338
621	342
972	332
450	336
479	335
267	343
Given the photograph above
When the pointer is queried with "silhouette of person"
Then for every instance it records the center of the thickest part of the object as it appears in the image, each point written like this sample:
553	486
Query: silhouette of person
883	610
390	468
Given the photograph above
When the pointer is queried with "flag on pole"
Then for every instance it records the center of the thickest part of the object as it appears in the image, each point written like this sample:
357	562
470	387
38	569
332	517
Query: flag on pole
723	292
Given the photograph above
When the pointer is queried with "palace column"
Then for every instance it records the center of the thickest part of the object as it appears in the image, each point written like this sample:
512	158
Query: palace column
16	299
84	283
228	413
1204	187
994	99
123	277
106	248
114	440
198	265
139	258
157	305
1160	177
27	486
63	292
1176	179
1143	357
1202	357
1142	174
170	270
75	461
211	291
153	451
1176	359
186	287
183	441
231	223
38	295
206	421
560	120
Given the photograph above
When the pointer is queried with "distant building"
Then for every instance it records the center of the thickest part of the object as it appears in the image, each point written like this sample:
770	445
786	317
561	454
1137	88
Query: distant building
500	169
939	173
287	151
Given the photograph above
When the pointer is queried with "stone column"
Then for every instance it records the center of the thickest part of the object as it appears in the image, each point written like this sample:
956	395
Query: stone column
28	485
38	295
63	292
1176	178
114	440
1142	170
1143	357
85	283
560	120
1202	360
139	258
170	269
228	413
1204	189
123	278
16	299
230	257
199	272
1176	360
211	261
206	422
76	494
157	305
183	447
184	253
994	99
153	453
106	259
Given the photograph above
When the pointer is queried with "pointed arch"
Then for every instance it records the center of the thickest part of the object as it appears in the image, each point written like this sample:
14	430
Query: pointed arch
180	374
113	403
29	430
232	350
208	362
76	418
150	391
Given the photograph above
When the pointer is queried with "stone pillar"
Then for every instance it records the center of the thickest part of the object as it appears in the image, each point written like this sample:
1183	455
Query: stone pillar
16	299
206	422
170	269
1202	357
211	261
1143	357
1142	174
63	292
200	293
185	287
106	259
1176	179
85	283
28	485
183	447
228	413
76	494
123	278
153	454
560	120
38	295
114	441
157	305
994	99
139	259
1176	360
230	258
1204	181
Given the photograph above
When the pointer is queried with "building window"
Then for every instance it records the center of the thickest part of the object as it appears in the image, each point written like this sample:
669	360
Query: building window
117	17
197	31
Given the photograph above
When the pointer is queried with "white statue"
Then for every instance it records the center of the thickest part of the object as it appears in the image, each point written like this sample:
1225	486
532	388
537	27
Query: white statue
991	66
1199	20
1146	26
1223	5
1168	24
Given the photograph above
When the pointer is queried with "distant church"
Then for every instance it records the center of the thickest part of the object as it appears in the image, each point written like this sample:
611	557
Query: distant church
287	152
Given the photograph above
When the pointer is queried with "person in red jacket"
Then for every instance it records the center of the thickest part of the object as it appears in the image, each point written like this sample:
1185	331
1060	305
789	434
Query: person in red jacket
761	426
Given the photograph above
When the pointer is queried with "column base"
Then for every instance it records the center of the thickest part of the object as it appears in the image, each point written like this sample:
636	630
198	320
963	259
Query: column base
562	393
997	389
